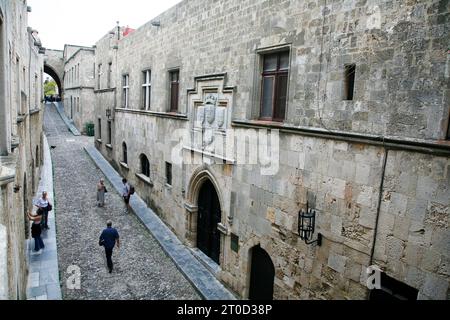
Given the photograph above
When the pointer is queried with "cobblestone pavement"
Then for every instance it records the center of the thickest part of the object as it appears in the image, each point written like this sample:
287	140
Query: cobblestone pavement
142	270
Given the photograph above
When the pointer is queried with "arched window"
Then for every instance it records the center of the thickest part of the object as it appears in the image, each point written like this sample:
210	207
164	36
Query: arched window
145	165
125	153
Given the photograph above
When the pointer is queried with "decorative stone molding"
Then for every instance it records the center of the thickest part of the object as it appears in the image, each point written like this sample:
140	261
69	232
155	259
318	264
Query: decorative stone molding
145	179
7	171
210	105
223	229
192	209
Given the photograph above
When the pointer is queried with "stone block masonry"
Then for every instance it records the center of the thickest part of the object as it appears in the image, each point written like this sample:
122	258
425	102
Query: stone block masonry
332	142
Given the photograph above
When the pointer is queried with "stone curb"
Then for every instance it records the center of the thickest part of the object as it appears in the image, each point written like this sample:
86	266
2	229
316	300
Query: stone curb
66	120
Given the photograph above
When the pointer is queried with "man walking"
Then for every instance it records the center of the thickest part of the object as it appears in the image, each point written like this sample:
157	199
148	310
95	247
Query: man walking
126	189
109	239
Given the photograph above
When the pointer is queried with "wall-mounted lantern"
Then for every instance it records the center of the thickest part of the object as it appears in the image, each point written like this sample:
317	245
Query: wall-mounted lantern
307	227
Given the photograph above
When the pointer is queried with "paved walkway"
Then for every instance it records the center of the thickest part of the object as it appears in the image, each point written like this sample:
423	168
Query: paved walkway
43	278
142	270
205	282
60	108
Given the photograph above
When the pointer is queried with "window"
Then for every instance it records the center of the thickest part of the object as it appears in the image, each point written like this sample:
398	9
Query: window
125	90
36	91
125	153
169	173
392	289
109	75
146	90
145	166
174	89
109	133
274	86
350	72
99	129
17	79
99	74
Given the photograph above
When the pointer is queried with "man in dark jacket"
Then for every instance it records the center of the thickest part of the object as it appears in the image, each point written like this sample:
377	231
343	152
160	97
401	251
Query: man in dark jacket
109	239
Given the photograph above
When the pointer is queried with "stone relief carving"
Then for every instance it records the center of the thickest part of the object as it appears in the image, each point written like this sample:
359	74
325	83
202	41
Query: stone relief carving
211	105
210	119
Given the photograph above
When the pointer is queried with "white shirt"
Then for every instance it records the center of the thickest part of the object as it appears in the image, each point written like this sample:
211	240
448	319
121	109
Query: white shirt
41	203
126	190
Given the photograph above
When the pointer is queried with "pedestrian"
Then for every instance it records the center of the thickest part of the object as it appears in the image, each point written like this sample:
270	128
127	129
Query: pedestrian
126	195
109	239
36	230
101	191
44	204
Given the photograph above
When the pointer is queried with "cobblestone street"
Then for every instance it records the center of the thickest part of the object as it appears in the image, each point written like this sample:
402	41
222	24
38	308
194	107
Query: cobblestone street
142	270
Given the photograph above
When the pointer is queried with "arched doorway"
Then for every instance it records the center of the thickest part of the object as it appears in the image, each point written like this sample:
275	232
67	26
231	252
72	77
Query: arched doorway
262	275
209	216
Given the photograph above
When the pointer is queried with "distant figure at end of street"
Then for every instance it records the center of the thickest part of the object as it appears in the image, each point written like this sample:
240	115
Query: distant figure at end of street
109	239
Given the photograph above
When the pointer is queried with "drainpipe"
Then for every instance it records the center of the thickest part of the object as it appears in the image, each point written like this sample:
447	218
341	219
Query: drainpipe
380	199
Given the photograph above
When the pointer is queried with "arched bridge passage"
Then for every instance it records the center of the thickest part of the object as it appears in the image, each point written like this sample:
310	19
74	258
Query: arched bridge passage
51	72
54	66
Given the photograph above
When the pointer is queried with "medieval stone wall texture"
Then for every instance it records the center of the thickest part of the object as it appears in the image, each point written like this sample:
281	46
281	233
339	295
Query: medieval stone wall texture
401	91
21	76
106	90
79	82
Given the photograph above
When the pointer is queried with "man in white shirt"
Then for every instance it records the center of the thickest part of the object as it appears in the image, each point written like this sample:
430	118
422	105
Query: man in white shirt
126	194
42	204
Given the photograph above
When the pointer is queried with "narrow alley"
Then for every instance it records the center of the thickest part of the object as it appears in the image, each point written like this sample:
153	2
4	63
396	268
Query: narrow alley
142	269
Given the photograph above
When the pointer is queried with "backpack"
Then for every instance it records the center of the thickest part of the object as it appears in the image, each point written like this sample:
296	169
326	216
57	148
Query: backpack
132	190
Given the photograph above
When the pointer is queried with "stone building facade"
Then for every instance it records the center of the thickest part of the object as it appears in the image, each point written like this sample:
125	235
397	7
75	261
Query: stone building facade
106	78
337	106
79	85
21	93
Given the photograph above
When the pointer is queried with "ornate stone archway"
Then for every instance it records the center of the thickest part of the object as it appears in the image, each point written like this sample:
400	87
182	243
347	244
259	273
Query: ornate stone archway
200	176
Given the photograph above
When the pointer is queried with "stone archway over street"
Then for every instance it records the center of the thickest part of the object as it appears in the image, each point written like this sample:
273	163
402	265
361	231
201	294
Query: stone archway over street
54	66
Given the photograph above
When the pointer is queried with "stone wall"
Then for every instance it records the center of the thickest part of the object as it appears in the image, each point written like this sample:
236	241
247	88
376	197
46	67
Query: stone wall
79	81
106	92
332	152
414	240
22	70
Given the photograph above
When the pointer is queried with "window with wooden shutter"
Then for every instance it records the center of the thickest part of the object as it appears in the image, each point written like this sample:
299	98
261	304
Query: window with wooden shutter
174	90
274	86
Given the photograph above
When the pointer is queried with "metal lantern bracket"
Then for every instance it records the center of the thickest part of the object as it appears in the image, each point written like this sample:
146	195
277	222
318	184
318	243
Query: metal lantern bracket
307	226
